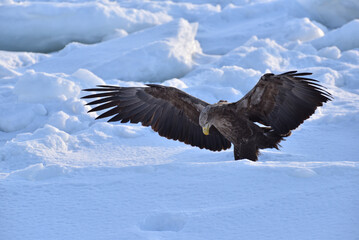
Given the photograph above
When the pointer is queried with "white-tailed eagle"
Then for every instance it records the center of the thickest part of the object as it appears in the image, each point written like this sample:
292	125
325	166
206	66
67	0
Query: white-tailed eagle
279	102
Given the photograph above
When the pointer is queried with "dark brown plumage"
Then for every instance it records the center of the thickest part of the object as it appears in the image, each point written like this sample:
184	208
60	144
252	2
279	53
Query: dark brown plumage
281	102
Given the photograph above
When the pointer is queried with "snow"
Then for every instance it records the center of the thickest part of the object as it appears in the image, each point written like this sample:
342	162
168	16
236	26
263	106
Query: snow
344	37
46	27
272	23
64	175
155	54
332	13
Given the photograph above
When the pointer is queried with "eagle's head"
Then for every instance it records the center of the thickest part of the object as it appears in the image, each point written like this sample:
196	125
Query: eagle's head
205	118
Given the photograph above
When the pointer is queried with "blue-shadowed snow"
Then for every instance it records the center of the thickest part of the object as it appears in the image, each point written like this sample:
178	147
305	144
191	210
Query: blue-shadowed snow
64	175
332	13
155	54
49	26
344	37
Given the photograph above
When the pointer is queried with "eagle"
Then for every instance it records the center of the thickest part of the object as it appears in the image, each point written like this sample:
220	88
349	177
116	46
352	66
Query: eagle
267	114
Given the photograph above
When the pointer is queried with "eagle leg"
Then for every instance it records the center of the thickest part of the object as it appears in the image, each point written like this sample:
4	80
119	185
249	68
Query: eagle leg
247	150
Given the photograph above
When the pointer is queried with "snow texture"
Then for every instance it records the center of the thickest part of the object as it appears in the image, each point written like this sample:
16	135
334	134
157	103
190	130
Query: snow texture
64	175
49	26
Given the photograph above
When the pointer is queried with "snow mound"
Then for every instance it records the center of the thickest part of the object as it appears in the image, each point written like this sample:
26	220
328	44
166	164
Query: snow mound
332	13
28	148
50	26
86	79
193	12
330	52
155	54
39	172
39	87
345	37
264	19
258	54
20	115
65	122
10	61
222	82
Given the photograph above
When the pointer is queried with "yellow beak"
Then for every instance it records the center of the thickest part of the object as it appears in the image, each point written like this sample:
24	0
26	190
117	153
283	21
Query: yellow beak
205	129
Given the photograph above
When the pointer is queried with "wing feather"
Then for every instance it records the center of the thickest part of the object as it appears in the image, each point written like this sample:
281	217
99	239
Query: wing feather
170	112
109	113
283	101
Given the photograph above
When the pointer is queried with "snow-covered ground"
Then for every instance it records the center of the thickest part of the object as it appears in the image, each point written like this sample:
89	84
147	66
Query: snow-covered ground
64	175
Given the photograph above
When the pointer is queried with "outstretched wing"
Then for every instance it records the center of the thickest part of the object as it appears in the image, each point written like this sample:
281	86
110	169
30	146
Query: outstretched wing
169	111
283	101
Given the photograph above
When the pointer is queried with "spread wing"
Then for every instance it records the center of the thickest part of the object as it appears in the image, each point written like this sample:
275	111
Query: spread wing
169	111
283	101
